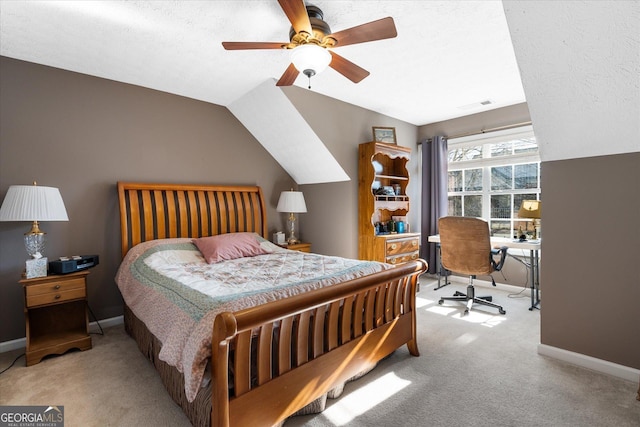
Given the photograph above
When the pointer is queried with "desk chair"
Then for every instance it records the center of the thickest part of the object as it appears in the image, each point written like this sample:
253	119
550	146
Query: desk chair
466	249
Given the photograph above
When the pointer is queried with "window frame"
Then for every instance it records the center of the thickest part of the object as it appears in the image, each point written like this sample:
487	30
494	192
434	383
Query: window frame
486	163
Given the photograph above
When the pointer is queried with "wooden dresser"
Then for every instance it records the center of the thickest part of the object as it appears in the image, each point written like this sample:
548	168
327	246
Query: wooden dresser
399	248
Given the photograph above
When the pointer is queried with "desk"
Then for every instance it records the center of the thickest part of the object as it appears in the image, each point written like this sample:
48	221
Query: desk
533	246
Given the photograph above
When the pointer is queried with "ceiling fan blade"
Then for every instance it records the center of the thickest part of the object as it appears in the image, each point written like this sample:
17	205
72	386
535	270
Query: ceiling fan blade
375	30
252	45
296	11
289	76
347	68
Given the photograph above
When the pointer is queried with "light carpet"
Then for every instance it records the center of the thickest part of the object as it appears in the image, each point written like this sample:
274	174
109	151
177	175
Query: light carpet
478	370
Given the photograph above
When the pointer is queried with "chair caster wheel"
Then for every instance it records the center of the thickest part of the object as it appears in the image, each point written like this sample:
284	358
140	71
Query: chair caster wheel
440	302
502	312
466	312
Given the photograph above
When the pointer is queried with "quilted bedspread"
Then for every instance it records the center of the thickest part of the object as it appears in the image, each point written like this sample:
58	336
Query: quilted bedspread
170	287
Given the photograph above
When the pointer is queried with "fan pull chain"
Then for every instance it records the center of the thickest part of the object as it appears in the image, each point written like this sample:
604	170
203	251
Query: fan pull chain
309	73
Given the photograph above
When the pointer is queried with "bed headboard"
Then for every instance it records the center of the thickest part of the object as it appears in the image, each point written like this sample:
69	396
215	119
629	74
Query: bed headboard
156	211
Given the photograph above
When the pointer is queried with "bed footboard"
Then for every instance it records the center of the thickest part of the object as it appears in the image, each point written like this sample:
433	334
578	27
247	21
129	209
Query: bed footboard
285	354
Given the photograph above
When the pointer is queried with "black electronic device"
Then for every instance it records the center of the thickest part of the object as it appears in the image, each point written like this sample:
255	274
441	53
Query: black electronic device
66	265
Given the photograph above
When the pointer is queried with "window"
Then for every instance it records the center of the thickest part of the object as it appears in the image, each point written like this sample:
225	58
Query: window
491	174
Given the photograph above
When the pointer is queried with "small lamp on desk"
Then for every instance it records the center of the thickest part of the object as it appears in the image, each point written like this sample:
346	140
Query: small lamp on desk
532	209
292	202
33	203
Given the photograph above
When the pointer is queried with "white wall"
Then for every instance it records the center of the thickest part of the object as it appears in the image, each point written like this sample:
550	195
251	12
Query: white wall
580	67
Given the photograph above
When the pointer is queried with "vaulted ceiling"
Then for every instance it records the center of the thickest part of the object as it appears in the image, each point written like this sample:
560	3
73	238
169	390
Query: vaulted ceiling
449	58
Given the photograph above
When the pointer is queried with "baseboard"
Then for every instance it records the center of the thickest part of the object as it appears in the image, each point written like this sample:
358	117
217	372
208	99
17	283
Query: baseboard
106	323
578	359
589	362
93	328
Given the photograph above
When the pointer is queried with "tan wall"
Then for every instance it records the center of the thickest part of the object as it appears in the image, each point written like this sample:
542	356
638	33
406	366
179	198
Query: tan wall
590	276
331	223
83	134
92	132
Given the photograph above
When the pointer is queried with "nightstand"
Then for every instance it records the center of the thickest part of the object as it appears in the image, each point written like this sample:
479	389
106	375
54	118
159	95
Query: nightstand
301	247
55	310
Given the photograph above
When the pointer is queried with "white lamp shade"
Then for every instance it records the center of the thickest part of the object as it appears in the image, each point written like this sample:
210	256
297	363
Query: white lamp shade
310	57
291	201
33	203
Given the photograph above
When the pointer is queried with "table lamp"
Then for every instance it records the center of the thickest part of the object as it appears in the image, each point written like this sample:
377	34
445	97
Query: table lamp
33	203
532	209
292	202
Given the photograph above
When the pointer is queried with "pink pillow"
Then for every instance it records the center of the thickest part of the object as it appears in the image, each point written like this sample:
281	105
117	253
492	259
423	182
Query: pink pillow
228	246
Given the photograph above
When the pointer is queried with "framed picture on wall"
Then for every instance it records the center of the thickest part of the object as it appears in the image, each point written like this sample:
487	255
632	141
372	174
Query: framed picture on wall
384	134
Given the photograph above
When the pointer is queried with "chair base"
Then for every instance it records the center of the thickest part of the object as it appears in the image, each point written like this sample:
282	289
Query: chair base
471	299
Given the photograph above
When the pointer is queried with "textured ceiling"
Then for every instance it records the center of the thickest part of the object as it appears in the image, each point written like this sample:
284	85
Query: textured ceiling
580	64
448	57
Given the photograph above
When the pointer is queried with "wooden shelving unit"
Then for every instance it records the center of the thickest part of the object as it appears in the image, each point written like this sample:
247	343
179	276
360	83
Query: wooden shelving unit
383	165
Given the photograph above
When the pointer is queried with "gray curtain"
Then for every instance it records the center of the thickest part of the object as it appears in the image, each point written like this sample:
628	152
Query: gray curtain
434	194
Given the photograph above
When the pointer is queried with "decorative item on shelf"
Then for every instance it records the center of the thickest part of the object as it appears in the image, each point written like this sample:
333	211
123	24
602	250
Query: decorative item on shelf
397	189
532	209
292	202
33	203
377	167
384	134
386	190
391	226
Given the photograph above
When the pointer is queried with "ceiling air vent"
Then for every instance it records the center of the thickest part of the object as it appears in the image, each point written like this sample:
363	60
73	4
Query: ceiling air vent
476	104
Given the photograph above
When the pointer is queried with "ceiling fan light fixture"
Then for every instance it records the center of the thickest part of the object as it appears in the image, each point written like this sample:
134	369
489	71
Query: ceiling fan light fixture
310	59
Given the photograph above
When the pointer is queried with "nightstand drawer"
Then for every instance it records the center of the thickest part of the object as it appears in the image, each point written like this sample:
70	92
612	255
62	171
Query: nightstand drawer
399	259
300	247
55	291
402	246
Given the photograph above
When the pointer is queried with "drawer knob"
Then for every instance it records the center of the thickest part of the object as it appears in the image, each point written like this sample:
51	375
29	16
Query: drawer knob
57	296
414	256
56	287
414	243
393	246
393	261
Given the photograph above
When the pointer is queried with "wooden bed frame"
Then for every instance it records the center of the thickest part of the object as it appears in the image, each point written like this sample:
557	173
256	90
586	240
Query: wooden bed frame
287	353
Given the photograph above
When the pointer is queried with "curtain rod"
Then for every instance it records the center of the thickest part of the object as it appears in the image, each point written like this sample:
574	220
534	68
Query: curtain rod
482	131
515	125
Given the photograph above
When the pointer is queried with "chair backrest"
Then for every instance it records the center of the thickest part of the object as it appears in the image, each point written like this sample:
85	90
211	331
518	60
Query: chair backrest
465	245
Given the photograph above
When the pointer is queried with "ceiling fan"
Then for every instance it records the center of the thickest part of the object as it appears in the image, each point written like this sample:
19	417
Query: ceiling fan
311	40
